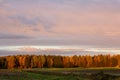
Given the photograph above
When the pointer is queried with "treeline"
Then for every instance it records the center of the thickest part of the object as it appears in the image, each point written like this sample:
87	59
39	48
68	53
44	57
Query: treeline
50	61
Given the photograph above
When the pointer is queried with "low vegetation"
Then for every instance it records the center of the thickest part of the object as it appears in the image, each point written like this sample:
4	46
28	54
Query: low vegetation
60	74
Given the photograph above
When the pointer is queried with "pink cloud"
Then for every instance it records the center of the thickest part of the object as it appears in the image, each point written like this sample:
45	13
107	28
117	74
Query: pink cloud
62	19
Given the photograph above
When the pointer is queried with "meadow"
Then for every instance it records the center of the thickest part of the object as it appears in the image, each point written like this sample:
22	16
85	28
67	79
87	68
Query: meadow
61	74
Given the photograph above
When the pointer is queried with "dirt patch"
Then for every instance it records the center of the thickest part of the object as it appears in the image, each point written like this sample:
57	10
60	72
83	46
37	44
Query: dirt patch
14	74
102	76
90	74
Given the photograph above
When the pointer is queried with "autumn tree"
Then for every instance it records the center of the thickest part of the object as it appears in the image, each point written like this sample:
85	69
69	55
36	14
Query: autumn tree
57	61
88	61
114	62
76	61
34	61
40	61
11	62
3	63
49	61
27	61
66	62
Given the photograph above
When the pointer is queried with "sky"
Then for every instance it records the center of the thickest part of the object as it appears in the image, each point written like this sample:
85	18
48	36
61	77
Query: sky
56	23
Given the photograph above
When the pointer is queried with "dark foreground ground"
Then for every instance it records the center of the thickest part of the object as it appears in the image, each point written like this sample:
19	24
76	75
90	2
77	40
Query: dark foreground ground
61	74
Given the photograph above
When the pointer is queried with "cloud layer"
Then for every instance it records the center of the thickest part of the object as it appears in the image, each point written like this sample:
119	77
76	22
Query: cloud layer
60	22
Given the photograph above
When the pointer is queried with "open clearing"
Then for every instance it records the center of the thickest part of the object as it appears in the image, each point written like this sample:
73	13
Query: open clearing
61	74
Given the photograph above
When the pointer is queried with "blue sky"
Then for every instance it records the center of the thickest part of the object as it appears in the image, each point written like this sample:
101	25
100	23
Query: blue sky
84	23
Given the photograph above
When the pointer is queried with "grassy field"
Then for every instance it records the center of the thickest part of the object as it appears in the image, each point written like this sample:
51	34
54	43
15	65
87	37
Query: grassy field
61	74
26	75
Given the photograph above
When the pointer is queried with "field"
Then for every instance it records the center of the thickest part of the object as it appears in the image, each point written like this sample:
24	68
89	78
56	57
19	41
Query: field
61	74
